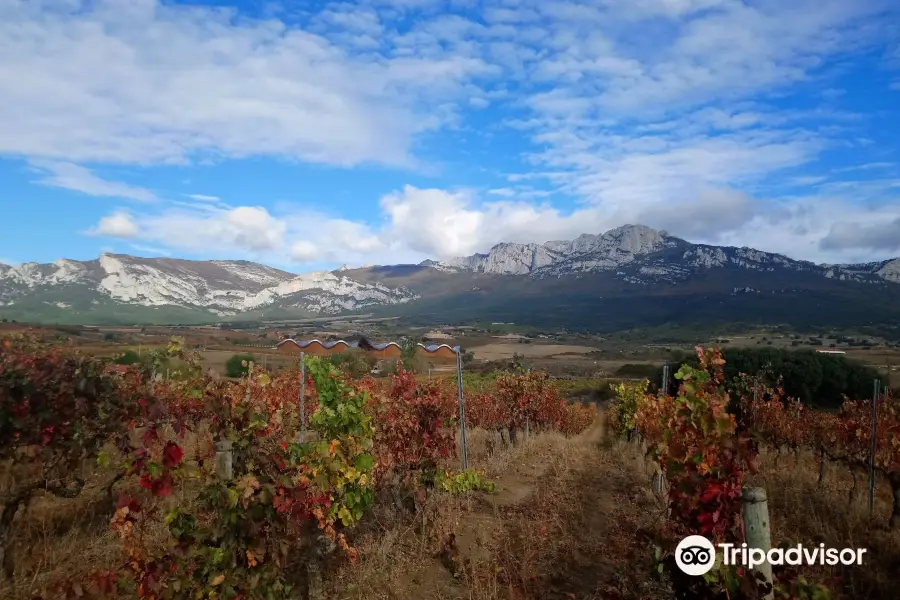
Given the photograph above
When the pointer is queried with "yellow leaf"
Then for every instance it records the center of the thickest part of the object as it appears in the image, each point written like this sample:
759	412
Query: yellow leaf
218	579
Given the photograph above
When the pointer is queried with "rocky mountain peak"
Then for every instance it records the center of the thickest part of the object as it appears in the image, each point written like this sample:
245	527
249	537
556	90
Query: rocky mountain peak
890	270
637	239
607	250
221	287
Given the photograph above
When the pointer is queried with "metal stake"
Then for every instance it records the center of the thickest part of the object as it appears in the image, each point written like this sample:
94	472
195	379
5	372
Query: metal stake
462	411
302	397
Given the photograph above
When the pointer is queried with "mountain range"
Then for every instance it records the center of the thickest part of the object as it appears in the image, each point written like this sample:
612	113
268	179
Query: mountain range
628	277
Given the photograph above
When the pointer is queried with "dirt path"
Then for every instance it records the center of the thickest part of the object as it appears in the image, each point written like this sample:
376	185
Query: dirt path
564	522
562	525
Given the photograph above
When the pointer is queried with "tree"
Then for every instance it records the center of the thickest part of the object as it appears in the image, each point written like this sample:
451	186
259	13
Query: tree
236	367
409	356
408	350
354	363
817	379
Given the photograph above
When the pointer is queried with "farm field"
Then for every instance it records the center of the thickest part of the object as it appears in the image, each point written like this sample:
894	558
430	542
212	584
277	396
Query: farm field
500	351
584	355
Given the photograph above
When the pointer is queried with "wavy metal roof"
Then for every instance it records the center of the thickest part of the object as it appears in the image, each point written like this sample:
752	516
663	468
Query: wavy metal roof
430	348
435	347
306	344
385	345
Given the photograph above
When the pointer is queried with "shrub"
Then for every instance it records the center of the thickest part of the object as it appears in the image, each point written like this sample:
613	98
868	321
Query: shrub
622	412
129	357
236	367
57	408
642	371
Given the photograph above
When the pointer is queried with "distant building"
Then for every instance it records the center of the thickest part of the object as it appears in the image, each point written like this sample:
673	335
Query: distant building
386	350
829	351
312	347
380	351
436	352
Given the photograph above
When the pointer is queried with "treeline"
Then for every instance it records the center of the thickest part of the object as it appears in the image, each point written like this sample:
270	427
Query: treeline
819	380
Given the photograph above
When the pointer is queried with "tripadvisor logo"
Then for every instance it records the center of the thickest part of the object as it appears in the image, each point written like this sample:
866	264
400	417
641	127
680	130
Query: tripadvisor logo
696	555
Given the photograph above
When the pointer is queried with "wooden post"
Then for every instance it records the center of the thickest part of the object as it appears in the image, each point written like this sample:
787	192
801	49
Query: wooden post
462	411
224	458
659	485
756	528
321	547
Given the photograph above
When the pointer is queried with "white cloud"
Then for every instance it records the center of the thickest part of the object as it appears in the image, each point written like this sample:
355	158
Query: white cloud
248	228
304	251
150	82
151	250
118	225
80	179
433	223
664	112
241	229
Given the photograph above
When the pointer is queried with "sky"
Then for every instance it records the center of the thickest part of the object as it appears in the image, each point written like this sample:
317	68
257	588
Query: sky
306	135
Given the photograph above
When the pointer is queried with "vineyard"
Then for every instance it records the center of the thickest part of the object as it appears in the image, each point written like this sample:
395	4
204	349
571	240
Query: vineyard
706	442
224	489
215	488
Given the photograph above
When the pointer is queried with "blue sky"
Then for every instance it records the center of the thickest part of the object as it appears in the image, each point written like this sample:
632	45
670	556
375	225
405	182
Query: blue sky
307	135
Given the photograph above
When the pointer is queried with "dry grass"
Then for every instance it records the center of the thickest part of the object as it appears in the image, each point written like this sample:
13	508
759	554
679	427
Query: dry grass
561	525
805	511
501	351
57	537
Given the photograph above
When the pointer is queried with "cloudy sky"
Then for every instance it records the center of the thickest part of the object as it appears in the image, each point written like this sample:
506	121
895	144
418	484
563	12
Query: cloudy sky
310	134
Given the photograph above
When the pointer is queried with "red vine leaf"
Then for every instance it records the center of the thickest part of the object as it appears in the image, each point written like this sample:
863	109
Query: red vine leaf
172	454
